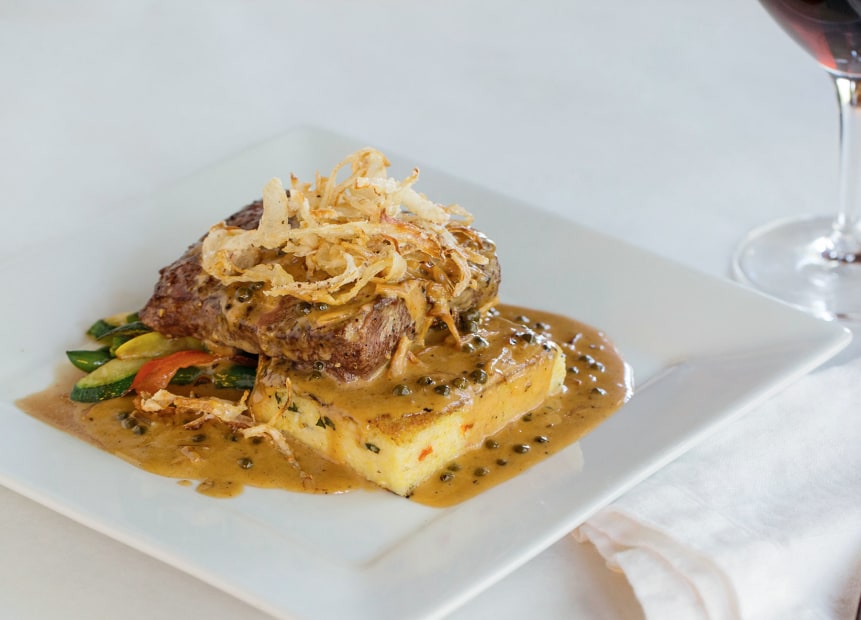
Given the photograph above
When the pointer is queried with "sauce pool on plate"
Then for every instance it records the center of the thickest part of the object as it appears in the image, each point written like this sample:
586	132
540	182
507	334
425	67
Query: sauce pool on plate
221	462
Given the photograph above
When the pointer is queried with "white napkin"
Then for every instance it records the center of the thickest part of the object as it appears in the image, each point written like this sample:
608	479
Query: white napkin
762	521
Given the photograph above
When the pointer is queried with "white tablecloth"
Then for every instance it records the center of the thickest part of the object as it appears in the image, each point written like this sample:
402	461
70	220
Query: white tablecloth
674	125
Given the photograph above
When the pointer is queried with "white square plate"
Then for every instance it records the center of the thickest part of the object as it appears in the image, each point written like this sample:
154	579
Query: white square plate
702	351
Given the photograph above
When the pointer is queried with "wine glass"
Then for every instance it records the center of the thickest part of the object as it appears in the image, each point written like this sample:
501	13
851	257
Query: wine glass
814	262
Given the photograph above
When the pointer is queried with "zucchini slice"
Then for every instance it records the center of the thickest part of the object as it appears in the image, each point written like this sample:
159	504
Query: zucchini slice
110	380
234	376
103	326
153	344
186	376
88	361
127	330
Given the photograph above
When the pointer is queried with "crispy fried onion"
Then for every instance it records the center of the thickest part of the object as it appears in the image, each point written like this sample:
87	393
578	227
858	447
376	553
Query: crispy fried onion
234	414
209	407
344	235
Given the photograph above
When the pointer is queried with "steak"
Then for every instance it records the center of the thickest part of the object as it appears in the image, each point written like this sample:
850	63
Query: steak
349	342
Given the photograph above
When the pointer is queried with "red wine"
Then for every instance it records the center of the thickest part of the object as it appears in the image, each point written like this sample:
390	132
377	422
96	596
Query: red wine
829	29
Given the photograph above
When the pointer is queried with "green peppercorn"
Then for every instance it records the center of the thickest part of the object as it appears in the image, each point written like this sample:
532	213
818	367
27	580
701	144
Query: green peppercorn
479	376
541	439
315	374
521	318
481	471
245	462
491	444
501	462
471	327
139	430
425	380
453	467
543	327
122	415
198	438
128	423
522	448
304	308
402	389
468	347
373	448
599	391
443	390
321	306
319	365
527	337
243	294
480	343
446	476
460	383
527	417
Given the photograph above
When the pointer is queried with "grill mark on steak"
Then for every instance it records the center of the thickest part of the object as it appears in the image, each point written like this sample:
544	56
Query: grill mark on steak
187	301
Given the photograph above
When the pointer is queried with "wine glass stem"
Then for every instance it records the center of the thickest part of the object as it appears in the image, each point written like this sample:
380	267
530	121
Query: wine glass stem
845	240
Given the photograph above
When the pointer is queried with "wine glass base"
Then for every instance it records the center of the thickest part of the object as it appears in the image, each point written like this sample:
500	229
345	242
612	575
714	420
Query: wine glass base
787	260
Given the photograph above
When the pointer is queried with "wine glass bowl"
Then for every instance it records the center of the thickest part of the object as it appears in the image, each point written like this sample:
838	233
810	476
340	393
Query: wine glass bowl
814	262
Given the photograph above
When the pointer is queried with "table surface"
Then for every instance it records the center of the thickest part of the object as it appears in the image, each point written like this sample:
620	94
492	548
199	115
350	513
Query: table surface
674	125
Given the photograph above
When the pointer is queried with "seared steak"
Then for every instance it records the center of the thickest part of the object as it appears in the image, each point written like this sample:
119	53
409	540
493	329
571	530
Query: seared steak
349	342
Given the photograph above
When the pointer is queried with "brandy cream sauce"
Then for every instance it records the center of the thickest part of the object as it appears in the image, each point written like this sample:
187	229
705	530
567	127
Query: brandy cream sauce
221	461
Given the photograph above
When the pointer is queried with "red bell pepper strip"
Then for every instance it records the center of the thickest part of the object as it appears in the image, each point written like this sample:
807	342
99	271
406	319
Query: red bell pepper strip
156	374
